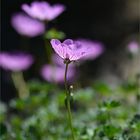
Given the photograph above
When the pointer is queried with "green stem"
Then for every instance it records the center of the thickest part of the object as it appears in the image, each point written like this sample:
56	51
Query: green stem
68	102
20	84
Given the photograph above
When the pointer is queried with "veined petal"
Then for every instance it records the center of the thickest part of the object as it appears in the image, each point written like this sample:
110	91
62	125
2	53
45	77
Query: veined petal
77	55
56	44
68	42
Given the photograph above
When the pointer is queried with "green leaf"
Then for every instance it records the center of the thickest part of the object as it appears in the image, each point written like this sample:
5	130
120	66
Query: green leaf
107	105
111	131
18	104
129	87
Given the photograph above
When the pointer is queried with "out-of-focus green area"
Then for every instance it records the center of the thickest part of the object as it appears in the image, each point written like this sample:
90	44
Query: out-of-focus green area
100	112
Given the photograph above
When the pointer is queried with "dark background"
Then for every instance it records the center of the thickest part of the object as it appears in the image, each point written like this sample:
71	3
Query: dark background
111	21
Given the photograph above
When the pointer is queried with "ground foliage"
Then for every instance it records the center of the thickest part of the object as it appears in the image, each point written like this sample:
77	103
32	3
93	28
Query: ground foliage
100	112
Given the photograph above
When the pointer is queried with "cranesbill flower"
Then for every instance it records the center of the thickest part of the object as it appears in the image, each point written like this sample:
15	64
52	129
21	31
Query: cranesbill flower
43	10
93	48
133	47
69	50
53	73
27	26
15	62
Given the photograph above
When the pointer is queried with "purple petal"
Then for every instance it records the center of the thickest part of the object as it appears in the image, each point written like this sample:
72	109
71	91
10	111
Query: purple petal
54	11
43	10
27	9
92	49
58	48
15	62
27	26
68	42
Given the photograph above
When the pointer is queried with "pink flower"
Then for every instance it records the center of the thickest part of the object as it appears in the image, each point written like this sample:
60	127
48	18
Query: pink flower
69	49
15	62
43	10
133	47
53	73
93	48
27	26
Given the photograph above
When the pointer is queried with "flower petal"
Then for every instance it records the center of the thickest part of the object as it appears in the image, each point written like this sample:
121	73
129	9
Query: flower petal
68	42
27	26
43	10
58	48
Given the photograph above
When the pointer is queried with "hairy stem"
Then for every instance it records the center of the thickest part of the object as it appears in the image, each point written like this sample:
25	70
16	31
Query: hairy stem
68	102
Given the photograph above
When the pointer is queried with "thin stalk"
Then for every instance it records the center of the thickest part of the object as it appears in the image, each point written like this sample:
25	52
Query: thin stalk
20	84
68	102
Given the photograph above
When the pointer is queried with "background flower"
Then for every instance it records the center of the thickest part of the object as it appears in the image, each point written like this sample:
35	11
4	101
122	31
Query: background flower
27	26
133	47
15	62
43	10
53	73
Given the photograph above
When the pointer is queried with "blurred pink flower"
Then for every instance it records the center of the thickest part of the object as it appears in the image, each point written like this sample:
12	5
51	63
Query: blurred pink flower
15	62
53	73
133	47
43	10
93	49
27	26
69	49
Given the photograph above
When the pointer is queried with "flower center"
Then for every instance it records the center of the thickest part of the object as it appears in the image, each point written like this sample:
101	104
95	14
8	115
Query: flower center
66	61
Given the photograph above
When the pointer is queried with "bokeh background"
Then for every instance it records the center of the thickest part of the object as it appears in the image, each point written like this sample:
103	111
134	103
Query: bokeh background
114	22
